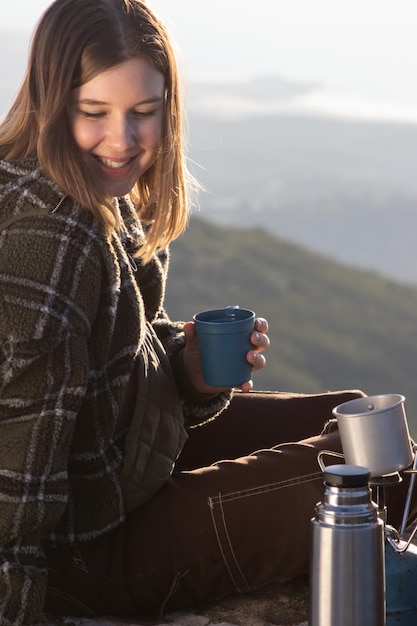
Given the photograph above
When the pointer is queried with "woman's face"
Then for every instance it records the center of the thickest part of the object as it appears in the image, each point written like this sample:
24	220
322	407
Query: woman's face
117	120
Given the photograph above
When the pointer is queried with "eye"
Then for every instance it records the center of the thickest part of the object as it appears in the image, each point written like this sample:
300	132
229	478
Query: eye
91	116
141	114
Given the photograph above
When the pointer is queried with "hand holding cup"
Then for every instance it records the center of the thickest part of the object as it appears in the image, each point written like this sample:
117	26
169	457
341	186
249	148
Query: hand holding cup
224	346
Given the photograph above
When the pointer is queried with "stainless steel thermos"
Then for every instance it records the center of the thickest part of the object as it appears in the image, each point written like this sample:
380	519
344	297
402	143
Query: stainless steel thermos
347	577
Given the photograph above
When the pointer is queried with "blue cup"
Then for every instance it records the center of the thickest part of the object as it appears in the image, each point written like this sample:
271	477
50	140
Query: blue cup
224	341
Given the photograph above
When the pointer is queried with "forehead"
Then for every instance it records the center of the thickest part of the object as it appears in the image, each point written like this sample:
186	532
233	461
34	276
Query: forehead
135	78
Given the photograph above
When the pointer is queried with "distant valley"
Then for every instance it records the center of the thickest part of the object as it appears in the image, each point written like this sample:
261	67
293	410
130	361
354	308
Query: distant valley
344	188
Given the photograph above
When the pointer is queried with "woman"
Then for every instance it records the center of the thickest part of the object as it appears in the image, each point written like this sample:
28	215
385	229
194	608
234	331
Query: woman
98	387
98	117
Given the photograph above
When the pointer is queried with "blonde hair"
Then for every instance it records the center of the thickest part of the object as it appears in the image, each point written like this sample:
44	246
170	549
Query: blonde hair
75	41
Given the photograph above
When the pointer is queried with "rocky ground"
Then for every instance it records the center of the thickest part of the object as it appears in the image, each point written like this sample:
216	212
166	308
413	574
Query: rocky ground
278	604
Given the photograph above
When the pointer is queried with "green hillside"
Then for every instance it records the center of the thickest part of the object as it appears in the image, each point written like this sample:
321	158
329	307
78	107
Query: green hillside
331	326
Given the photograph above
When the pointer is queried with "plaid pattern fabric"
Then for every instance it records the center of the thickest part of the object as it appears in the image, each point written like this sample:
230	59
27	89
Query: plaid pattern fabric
71	322
72	319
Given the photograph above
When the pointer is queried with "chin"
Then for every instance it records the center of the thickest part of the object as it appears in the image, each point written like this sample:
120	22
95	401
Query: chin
116	191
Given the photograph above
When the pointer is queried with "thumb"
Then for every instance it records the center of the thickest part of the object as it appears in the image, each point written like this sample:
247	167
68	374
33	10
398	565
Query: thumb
189	332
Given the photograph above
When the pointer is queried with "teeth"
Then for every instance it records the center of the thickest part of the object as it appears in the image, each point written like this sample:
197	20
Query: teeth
115	165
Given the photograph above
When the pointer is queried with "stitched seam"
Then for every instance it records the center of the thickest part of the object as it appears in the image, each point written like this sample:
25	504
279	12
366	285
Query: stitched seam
230	543
237	495
220	499
210	503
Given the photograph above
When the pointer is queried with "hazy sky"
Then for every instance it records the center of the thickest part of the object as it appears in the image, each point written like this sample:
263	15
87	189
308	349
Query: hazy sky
357	49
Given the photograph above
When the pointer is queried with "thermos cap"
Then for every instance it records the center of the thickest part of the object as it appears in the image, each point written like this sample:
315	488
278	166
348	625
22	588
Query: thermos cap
347	475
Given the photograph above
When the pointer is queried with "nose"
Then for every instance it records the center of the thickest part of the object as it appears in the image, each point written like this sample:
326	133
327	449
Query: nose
121	134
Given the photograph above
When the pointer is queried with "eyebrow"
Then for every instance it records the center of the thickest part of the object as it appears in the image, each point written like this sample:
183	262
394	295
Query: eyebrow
91	102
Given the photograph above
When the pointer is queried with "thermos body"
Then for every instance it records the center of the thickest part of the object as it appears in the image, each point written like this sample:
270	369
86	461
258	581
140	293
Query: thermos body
347	576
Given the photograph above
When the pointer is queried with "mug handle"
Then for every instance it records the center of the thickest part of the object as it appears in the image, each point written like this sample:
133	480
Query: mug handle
323	453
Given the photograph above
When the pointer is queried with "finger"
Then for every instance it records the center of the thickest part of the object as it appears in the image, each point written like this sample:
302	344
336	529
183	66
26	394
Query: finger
261	325
189	331
257	360
261	341
246	387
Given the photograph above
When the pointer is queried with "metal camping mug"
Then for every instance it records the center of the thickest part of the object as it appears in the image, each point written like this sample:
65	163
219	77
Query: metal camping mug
374	433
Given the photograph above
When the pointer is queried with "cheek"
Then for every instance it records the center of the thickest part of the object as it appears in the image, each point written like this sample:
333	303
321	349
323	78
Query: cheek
83	135
154	134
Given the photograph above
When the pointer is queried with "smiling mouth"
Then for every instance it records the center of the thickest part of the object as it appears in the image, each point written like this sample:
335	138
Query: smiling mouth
114	165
